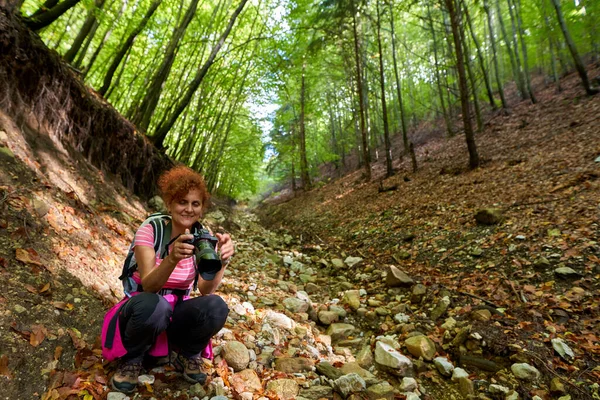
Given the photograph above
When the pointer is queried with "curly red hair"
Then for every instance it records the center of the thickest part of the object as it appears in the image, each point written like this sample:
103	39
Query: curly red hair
175	184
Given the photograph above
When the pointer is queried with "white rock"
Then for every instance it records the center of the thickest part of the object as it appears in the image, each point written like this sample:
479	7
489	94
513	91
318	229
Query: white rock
443	365
408	385
143	379
387	356
279	320
459	373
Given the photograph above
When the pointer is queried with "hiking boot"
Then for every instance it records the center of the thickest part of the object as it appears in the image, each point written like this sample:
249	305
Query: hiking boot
194	368
126	378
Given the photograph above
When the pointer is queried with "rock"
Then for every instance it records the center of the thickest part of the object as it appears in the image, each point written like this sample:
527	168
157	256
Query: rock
481	315
328	317
293	365
328	370
449	324
566	272
354	368
317	392
387	356
525	371
339	331
465	387
41	207
440	308
337	263
246	381
563	349
19	309
352	299
398	278
459	373
236	355
556	386
146	379
443	366
197	390
351	383
541	263
311	288
216	215
270	334
116	396
476	252
489	216
352	261
295	305
418	293
498	389
338	310
381	390
157	203
279	320
284	389
421	346
408	385
364	358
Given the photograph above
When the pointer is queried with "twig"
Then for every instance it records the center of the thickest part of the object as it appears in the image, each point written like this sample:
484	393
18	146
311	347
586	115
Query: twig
488	302
557	375
512	286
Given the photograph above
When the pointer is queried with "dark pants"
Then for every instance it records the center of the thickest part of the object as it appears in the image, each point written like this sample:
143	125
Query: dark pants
189	326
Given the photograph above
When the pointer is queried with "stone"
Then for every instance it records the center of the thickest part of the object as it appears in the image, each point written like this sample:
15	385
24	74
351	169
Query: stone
354	368
466	387
284	389
489	216
449	324
338	263
398	278
326	369
387	356
41	207
279	320
481	315
311	288
352	299
381	390
338	310
116	396
157	203
525	371
421	346
459	373
557	386
541	263
339	331
440	308
317	392
146	379
246	381
291	365
498	389
351	383
364	358
562	349
197	390
19	309
408	384
328	317
443	365
353	261
566	272
418	293
296	305
236	354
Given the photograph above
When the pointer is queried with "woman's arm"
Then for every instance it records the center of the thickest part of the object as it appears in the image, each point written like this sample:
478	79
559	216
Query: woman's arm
154	278
226	248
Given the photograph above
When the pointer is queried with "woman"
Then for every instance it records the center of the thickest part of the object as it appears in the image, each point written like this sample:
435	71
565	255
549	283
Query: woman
162	310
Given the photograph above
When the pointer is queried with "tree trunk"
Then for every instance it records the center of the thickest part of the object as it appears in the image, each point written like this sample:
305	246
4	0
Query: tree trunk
449	130
484	71
88	25
495	54
398	85
105	37
43	20
126	46
511	54
163	129
363	130
576	59
303	161
524	50
386	129
148	105
525	95
86	45
462	81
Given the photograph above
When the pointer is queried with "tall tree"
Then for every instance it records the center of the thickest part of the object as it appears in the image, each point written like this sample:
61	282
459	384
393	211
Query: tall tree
462	83
89	24
386	129
486	7
43	19
398	84
573	49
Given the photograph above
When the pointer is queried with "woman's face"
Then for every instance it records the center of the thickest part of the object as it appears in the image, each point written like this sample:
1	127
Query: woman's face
187	210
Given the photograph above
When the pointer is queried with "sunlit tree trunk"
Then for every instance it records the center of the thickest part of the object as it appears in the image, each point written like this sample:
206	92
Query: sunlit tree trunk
509	49
463	87
517	7
398	85
386	129
86	29
494	54
576	59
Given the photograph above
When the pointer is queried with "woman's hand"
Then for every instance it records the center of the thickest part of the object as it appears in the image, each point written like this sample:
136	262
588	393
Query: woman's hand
181	249
225	246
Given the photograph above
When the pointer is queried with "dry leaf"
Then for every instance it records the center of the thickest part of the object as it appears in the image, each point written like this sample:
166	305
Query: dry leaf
46	288
61	305
38	335
58	352
4	371
28	256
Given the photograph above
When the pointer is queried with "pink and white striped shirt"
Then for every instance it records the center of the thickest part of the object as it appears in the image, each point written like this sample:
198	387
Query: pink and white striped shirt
182	276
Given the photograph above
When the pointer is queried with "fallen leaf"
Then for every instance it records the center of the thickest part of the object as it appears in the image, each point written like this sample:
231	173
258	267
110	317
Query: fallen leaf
61	305
28	256
76	338
4	371
45	289
58	352
38	335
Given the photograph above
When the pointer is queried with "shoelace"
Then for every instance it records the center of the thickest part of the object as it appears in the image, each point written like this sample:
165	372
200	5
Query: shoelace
194	364
131	369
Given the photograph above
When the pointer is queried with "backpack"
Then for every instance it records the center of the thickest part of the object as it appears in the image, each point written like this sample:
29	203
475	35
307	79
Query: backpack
162	234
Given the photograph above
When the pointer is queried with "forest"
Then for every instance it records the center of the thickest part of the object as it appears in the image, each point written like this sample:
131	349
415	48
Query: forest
313	88
411	188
